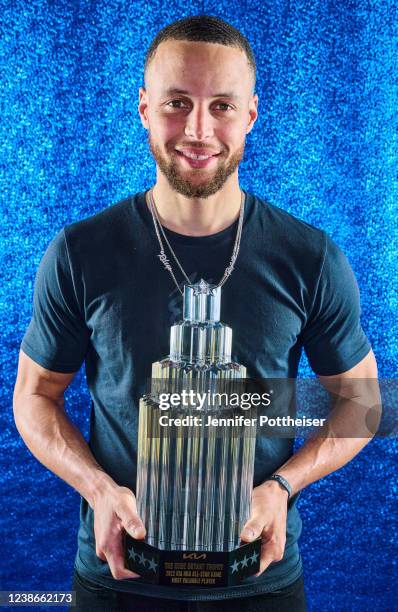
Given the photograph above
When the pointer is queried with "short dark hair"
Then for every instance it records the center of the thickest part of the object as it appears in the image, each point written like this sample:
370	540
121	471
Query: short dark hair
203	28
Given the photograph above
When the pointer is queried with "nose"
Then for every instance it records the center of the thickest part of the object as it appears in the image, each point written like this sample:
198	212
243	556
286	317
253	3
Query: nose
199	123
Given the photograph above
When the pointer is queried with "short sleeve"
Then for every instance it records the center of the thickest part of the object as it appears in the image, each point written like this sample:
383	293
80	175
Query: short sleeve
333	338
57	337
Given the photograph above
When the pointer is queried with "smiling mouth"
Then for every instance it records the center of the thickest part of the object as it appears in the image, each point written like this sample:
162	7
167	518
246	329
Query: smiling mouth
196	156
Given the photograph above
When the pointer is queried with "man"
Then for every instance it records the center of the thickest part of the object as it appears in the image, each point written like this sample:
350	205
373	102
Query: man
103	296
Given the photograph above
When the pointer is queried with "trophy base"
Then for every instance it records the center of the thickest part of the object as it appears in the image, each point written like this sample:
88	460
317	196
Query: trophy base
192	568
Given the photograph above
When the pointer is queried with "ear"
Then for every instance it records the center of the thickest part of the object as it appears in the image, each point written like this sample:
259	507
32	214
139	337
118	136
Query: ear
253	112
143	107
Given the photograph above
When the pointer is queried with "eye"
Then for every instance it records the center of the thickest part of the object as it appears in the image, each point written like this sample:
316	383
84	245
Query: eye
225	105
175	104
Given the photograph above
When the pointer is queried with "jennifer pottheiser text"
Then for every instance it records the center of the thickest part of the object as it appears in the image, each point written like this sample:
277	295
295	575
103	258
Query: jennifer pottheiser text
238	421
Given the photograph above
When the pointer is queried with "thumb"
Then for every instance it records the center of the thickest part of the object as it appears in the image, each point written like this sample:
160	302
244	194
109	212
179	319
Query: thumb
252	530
134	527
131	522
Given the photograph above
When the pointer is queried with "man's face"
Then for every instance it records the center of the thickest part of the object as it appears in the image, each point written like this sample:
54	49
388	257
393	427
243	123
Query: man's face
198	101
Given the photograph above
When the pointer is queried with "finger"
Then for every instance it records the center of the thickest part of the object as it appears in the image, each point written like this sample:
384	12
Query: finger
115	557
265	561
271	551
100	555
252	530
118	571
131	522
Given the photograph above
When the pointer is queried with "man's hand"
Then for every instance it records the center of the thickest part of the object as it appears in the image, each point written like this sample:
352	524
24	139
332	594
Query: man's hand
268	519
115	510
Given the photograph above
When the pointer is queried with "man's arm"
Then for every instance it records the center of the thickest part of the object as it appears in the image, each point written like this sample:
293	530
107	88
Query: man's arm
343	436
357	393
57	443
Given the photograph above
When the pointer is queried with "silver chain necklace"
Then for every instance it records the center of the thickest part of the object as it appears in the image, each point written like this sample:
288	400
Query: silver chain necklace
164	259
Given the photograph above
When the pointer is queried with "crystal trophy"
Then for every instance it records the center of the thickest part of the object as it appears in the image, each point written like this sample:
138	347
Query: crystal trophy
194	479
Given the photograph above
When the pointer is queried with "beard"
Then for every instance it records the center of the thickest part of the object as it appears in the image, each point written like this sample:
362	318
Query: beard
194	189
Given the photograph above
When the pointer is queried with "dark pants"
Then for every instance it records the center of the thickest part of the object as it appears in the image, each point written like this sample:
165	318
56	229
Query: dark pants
94	598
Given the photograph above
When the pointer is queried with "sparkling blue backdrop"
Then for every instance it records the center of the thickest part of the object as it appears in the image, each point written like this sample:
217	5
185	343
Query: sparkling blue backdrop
324	148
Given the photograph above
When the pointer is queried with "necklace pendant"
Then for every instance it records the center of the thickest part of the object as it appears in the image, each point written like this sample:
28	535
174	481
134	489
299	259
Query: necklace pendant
165	261
202	287
202	302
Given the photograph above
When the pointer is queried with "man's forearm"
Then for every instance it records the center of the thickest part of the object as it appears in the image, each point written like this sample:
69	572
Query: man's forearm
57	443
343	436
317	458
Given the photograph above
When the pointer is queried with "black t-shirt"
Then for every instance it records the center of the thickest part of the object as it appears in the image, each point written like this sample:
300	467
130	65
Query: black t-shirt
102	296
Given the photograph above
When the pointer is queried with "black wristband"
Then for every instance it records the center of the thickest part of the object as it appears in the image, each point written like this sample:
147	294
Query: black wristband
283	482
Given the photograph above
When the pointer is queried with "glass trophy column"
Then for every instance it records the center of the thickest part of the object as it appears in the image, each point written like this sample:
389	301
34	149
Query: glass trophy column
195	479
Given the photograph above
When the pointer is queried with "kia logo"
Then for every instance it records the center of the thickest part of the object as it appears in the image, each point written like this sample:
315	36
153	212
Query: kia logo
194	555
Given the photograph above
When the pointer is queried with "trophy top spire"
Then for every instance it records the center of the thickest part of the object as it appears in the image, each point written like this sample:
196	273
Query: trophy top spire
202	302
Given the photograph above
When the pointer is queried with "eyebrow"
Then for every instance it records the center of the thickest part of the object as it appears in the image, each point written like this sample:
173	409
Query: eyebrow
176	91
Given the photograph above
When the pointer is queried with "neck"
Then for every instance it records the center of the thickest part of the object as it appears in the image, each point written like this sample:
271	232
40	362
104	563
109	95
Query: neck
197	216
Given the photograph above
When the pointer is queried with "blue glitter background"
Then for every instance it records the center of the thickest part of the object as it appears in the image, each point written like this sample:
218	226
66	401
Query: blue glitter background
324	148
